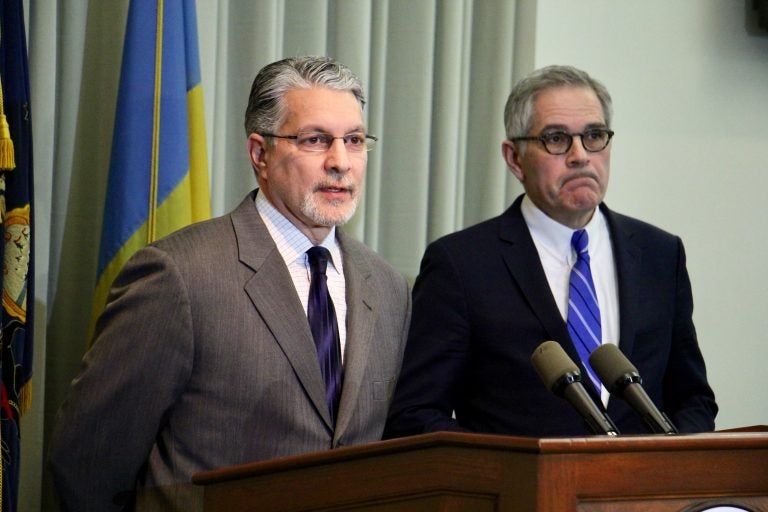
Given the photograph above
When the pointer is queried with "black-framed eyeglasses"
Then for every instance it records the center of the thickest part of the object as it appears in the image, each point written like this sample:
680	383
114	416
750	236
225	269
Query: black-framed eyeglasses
319	142
558	143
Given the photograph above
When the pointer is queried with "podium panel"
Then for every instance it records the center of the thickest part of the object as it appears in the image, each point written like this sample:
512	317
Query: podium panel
458	472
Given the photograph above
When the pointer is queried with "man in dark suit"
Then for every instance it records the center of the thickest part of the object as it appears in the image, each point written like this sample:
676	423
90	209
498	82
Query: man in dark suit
204	356
487	296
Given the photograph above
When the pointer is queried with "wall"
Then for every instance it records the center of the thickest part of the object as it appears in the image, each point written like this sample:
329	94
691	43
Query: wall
689	80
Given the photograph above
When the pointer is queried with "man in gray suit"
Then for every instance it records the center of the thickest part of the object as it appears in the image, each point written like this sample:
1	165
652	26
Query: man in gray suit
204	357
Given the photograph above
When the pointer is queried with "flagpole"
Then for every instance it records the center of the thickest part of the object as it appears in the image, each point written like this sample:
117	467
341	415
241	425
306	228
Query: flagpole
154	174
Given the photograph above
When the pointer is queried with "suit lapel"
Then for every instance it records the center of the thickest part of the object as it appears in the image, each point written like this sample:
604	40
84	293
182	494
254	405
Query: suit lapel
273	295
628	257
361	312
523	262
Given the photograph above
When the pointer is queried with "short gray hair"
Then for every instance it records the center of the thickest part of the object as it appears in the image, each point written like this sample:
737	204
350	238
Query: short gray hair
265	110
518	112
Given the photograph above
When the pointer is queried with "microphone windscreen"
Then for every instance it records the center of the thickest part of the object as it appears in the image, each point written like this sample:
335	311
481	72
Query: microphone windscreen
551	362
610	364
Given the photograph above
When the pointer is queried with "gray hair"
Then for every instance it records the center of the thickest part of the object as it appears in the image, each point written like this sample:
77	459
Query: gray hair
266	109
518	112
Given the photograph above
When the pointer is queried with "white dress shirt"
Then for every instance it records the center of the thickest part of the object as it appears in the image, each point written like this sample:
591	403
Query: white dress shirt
553	243
293	245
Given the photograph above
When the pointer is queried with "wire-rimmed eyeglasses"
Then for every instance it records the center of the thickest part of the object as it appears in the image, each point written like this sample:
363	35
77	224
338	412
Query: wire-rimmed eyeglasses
319	142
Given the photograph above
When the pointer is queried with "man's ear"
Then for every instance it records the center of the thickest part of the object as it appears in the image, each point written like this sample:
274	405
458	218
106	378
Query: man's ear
257	152
512	156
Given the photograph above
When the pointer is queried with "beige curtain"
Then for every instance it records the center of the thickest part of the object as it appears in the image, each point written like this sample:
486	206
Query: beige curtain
436	73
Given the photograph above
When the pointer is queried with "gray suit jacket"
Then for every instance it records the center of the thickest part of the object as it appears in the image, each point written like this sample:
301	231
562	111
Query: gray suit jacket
203	358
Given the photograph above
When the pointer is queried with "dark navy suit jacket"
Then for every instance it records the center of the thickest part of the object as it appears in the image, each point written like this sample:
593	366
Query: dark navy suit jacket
482	304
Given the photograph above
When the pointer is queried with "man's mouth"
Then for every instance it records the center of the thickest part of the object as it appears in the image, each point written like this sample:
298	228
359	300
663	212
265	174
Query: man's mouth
580	176
334	189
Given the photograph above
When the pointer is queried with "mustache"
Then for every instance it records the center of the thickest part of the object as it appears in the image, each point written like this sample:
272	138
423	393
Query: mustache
336	181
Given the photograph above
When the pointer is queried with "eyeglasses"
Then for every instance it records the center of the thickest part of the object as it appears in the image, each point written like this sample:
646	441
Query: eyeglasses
559	143
319	142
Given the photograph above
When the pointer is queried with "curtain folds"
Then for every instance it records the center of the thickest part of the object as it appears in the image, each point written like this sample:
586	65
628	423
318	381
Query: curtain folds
436	74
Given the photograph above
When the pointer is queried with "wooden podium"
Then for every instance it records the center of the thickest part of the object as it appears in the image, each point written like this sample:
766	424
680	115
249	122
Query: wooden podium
454	472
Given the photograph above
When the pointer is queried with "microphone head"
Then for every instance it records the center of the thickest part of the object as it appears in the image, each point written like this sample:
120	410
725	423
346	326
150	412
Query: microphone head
612	366
552	364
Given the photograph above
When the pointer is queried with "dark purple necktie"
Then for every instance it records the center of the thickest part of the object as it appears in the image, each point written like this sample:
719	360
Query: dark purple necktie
322	323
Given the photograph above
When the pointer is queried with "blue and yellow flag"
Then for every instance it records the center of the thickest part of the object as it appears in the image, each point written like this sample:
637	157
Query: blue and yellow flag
16	250
158	175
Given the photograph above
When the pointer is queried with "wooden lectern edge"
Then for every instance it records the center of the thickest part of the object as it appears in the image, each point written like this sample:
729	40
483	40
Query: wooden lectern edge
740	438
389	446
751	428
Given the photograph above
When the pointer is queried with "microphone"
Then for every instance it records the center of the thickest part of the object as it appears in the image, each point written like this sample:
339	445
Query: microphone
561	376
621	378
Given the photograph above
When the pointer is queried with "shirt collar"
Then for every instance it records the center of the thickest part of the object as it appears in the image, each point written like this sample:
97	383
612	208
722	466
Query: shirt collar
291	242
556	237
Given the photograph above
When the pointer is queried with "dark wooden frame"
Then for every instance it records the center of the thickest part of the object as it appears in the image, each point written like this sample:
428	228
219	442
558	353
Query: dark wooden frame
455	472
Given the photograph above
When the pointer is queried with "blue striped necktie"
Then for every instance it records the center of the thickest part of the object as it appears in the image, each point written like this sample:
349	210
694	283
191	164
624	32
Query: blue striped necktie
583	309
325	330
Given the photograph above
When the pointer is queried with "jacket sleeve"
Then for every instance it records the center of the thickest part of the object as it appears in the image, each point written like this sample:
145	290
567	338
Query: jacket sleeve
688	397
130	377
436	351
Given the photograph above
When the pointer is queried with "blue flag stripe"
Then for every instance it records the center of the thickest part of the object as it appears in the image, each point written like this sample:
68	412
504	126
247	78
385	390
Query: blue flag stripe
130	179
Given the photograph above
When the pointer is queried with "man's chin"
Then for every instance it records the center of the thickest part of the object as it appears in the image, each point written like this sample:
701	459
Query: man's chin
585	196
330	217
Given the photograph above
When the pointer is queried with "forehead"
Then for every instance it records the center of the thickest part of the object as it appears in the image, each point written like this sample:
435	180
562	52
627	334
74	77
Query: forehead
321	108
570	107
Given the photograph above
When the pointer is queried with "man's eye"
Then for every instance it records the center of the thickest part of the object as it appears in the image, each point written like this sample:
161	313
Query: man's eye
555	138
355	139
314	139
594	134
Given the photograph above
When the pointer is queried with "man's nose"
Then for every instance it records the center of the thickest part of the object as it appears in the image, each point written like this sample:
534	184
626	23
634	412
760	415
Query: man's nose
337	157
577	154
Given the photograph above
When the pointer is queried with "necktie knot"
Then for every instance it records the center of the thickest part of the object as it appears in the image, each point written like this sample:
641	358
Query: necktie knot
318	259
579	242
